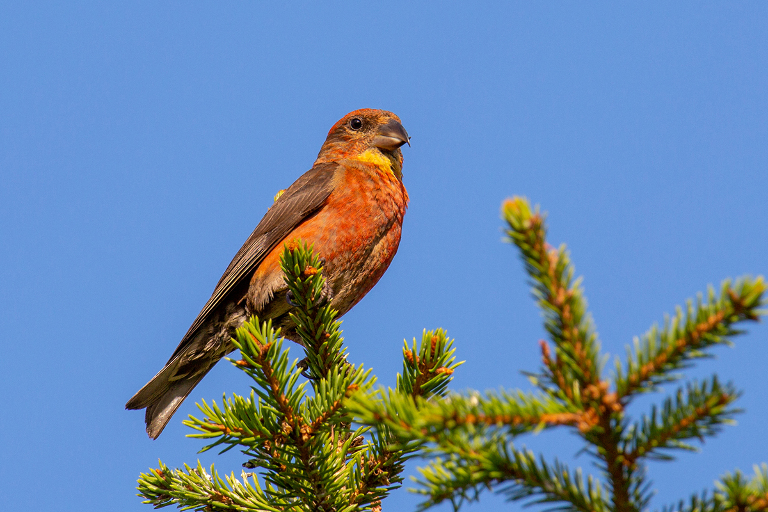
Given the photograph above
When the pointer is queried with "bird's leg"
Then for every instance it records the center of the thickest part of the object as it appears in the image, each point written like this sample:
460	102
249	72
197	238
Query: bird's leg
326	294
303	365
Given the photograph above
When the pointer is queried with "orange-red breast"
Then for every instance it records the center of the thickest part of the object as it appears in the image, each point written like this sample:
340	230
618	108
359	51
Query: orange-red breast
350	205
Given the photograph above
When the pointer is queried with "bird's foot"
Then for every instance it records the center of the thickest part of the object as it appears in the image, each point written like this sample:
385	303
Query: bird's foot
289	299
303	365
326	295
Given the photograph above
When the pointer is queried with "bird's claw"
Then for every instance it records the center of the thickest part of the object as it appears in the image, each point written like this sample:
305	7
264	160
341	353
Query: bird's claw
326	295
289	299
303	365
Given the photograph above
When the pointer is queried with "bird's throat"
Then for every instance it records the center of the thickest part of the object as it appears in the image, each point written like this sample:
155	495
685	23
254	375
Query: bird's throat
385	161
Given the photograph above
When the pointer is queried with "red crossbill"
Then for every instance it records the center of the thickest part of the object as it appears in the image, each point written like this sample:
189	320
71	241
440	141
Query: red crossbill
350	205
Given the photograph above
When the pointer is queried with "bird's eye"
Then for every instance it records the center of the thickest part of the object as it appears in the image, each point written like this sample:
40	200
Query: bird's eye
356	123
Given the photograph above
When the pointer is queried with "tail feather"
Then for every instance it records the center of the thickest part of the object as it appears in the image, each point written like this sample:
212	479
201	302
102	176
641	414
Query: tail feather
196	354
159	413
162	395
155	388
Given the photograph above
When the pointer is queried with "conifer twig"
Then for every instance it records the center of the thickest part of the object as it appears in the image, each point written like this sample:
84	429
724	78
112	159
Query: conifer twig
575	365
472	466
688	335
695	412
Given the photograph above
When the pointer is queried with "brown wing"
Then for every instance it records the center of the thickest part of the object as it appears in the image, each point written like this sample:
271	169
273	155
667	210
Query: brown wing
296	204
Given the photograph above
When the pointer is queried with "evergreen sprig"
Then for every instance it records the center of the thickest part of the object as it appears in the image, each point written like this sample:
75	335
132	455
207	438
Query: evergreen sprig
519	473
469	436
308	452
574	367
733	493
696	411
687	336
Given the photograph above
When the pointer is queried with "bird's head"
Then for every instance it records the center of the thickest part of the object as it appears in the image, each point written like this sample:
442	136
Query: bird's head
368	135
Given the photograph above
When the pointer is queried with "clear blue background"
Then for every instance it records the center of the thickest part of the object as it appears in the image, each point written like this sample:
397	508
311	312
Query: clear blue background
141	142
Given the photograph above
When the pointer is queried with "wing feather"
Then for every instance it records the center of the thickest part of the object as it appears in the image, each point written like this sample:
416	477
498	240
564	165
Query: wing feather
300	201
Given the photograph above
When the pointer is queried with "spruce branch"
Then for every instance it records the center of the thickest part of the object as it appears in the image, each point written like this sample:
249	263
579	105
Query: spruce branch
575	364
434	420
687	336
472	467
733	493
196	489
736	494
574	369
701	502
696	411
314	319
427	368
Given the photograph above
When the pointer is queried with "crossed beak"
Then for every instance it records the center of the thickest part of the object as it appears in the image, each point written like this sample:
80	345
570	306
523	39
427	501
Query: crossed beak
391	136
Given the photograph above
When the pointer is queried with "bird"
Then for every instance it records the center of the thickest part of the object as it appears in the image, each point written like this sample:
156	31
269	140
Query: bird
350	205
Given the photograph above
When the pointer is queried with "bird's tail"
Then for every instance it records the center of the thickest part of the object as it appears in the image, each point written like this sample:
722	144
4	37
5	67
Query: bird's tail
162	395
199	351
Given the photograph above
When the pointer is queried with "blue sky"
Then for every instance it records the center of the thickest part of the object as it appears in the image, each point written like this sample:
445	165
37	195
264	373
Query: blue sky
141	142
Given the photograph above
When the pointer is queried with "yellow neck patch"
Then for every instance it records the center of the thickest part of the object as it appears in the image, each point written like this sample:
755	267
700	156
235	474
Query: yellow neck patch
380	160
